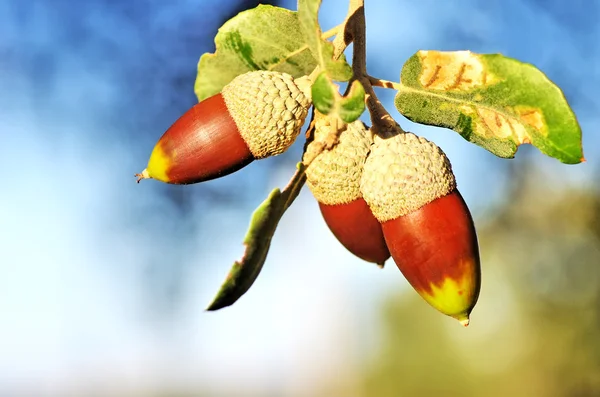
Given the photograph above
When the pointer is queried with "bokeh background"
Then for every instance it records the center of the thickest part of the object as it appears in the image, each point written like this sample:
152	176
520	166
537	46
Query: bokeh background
103	282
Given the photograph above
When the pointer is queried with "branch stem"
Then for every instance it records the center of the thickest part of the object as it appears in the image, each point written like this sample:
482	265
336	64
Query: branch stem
383	122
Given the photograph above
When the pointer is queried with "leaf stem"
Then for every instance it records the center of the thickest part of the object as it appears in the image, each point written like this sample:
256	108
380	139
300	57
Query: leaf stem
385	83
294	186
333	31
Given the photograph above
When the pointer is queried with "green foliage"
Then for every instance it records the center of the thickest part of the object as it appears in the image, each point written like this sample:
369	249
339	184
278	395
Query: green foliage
322	50
257	241
493	101
327	99
263	38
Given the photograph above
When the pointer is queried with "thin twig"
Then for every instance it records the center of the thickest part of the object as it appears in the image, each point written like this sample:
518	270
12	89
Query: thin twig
383	122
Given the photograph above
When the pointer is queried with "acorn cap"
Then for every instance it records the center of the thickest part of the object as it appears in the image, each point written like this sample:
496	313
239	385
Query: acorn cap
403	173
269	109
334	175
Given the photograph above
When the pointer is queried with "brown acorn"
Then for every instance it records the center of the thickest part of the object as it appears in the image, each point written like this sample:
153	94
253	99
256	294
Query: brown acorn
334	180
410	188
257	115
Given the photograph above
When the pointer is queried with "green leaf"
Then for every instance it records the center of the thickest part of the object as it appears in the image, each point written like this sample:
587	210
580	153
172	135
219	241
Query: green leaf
323	94
263	38
353	104
493	101
321	49
327	99
263	224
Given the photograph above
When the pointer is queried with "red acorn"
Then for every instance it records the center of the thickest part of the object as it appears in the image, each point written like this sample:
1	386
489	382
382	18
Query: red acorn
257	115
334	179
410	188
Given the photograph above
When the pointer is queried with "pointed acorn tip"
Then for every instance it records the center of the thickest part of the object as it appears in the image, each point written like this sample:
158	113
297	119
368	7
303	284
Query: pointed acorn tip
463	319
143	175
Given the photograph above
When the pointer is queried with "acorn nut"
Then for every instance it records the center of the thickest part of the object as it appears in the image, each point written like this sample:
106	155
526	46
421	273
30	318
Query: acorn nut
410	188
334	177
257	115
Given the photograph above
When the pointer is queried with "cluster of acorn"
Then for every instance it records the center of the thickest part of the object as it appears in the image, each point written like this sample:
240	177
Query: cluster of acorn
381	196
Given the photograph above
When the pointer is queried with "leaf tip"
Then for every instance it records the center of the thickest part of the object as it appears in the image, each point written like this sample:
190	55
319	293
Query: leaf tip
217	304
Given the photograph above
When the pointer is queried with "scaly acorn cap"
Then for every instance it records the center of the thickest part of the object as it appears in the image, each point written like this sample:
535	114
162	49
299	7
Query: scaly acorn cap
334	177
403	173
269	109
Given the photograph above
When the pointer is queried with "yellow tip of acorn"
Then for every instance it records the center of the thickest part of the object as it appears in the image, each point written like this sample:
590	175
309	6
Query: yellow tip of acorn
143	175
463	319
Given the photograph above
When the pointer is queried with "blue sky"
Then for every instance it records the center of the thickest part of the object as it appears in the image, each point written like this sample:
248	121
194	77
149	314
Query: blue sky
103	279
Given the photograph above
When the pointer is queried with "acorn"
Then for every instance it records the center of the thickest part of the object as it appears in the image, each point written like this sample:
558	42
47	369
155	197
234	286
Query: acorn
257	115
334	177
409	186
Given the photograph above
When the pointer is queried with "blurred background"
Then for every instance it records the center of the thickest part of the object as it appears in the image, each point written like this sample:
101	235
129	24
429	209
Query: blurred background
103	282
